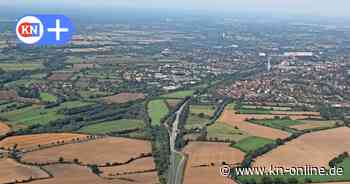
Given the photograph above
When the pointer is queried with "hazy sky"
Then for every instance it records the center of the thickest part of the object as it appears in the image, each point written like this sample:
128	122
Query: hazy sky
306	7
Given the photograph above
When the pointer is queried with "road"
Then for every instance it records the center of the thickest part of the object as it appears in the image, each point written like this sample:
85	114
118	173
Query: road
175	171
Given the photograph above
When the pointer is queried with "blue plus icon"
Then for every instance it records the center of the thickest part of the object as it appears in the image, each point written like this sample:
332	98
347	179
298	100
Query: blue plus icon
58	29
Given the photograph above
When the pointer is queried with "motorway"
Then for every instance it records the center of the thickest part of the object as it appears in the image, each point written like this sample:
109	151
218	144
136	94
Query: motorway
175	171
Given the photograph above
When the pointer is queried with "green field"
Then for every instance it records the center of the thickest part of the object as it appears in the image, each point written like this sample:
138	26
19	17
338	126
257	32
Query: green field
283	124
179	94
222	132
38	114
20	66
205	109
193	121
157	109
47	97
301	179
254	111
252	143
113	126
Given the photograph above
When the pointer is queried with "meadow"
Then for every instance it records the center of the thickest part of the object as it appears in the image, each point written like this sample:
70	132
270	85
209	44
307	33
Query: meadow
47	97
252	143
157	109
222	132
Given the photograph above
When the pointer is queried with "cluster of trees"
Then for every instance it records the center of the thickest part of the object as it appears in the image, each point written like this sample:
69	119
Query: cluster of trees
219	110
54	63
161	151
328	112
28	92
82	109
339	159
94	169
15	106
10	76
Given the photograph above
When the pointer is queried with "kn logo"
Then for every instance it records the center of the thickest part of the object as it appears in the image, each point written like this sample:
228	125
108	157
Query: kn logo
29	29
44	29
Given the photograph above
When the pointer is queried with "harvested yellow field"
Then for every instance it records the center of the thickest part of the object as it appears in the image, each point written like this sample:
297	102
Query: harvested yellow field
71	174
210	175
11	171
139	178
206	153
4	128
139	165
33	141
74	174
99	151
315	149
205	160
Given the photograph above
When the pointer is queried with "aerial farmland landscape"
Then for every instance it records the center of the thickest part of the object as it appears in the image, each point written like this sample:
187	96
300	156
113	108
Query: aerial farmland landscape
175	92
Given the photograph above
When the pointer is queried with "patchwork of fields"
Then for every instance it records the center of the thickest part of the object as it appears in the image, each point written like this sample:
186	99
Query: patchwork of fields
121	160
251	130
133	163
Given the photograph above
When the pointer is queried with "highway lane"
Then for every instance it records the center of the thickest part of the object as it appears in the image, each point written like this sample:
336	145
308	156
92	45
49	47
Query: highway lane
175	171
